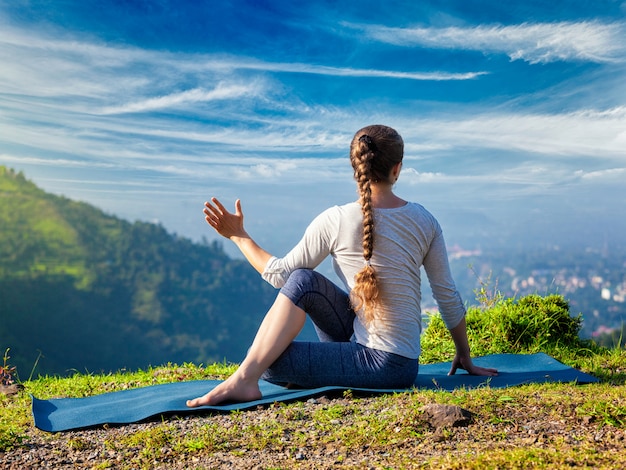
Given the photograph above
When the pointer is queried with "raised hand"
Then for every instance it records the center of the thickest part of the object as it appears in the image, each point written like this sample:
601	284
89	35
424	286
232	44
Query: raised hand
225	223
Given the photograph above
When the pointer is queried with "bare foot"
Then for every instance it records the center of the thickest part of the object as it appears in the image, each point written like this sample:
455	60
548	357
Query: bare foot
232	389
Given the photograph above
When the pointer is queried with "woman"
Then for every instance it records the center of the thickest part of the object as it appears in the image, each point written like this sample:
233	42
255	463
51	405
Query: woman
371	337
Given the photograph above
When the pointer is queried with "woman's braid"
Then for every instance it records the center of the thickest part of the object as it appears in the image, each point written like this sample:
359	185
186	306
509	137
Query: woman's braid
373	153
364	294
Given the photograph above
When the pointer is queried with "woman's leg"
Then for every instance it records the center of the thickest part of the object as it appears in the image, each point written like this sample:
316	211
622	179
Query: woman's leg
327	305
281	325
347	364
335	360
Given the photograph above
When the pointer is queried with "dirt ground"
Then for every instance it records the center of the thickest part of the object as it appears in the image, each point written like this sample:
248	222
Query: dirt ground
570	441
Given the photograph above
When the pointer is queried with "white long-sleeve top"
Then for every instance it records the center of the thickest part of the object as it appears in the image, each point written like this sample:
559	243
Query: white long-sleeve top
405	239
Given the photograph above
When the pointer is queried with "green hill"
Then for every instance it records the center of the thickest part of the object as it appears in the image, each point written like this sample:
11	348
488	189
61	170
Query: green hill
80	289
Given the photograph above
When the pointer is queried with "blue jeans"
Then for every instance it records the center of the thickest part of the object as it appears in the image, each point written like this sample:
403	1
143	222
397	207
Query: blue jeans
335	360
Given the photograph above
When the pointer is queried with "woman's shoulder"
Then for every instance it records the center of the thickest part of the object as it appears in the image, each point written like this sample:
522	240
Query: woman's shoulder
410	208
343	209
420	215
334	214
417	207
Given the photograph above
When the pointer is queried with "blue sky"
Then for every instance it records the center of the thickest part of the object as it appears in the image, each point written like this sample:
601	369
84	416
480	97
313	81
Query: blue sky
513	113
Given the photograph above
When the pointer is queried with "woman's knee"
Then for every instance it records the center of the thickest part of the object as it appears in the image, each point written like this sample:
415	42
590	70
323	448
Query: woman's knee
302	276
300	282
297	285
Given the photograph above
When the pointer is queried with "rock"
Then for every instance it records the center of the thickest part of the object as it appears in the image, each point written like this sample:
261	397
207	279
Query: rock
10	390
440	416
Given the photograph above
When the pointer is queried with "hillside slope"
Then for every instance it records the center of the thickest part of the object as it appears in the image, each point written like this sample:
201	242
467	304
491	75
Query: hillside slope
84	290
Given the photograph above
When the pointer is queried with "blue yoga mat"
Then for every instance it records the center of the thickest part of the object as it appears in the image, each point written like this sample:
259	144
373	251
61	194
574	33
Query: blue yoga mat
130	406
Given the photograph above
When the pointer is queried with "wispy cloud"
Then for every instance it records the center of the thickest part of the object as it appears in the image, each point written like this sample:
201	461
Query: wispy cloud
197	95
313	69
586	132
52	162
591	41
412	176
512	182
612	174
57	66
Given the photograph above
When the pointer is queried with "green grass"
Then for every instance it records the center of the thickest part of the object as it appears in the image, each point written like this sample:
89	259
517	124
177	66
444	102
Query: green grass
15	415
532	426
528	325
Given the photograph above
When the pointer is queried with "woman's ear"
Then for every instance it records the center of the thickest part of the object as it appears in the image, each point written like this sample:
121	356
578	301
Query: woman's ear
395	171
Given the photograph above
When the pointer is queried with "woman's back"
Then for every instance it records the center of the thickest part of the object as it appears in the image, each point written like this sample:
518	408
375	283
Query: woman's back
403	238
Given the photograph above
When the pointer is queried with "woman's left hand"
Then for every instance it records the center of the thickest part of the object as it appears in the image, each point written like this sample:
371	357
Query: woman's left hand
466	364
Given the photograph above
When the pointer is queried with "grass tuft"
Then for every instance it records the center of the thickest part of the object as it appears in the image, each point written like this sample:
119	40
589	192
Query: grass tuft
525	326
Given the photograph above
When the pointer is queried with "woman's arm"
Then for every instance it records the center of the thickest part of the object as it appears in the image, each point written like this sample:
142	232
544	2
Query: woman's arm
230	226
463	358
450	305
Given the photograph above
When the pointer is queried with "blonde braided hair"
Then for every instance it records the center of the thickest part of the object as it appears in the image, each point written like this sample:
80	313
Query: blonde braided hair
373	153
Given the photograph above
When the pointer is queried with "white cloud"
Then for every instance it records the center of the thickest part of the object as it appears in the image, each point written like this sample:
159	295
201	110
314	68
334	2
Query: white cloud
94	75
197	95
514	181
53	162
297	135
587	132
611	174
341	71
412	176
591	41
302	171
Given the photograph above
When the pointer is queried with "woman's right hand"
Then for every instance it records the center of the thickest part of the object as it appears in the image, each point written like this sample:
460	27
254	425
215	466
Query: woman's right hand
225	223
465	363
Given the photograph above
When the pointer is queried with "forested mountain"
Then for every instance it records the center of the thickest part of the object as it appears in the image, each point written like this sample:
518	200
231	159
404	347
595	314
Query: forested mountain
80	289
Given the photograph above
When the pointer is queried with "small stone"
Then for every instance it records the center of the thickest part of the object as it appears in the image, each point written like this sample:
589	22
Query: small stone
447	415
587	420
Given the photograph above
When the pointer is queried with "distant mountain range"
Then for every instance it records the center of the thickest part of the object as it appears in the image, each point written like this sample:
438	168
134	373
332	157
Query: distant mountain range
80	289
